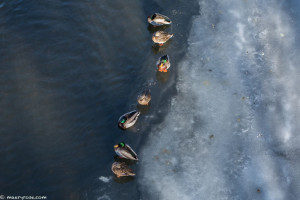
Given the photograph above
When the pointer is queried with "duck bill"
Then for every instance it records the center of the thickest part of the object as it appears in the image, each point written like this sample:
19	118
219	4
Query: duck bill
121	126
116	146
160	67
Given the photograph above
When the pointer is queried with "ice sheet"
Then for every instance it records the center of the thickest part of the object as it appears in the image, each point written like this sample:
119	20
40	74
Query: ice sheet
232	130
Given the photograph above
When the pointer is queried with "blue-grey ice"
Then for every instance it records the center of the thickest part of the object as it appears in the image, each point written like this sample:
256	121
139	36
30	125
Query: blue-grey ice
105	179
233	130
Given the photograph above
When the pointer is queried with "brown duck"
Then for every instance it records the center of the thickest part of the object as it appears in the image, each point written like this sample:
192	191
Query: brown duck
121	169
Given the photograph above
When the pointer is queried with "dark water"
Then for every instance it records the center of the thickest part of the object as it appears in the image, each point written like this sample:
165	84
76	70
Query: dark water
69	69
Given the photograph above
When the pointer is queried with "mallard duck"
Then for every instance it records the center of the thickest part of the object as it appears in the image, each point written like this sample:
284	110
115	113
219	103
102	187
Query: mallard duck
128	119
144	97
161	37
125	151
163	63
121	169
159	20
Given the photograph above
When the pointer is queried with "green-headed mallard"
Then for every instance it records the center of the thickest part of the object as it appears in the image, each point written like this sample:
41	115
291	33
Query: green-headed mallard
161	37
144	97
121	169
125	151
163	63
128	119
159	20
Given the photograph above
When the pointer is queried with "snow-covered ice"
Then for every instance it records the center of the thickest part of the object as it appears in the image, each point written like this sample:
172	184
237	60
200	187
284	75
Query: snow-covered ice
232	130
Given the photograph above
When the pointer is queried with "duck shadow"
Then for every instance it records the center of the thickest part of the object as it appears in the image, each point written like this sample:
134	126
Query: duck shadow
133	128
162	77
123	179
123	160
143	109
152	29
156	48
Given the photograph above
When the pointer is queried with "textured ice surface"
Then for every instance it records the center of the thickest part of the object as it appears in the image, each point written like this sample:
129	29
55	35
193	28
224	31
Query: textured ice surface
105	179
232	130
104	197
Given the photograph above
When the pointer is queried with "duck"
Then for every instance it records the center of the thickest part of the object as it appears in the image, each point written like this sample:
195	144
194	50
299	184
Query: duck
159	20
125	151
121	169
144	97
163	63
128	119
161	37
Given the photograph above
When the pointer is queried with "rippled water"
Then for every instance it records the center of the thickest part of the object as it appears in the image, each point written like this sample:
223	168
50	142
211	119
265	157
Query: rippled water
69	70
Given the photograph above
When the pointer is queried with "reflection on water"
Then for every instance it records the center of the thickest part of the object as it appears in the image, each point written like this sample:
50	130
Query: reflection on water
156	48
127	161
153	29
143	109
123	179
162	77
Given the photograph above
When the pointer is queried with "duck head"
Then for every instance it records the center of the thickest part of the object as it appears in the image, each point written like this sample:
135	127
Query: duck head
121	144
122	122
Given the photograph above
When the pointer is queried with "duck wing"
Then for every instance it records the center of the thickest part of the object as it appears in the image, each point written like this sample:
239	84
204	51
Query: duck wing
129	153
132	116
147	93
159	18
129	115
125	170
153	23
164	37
